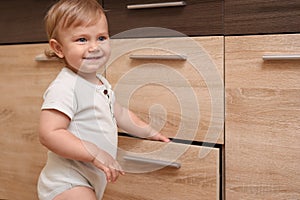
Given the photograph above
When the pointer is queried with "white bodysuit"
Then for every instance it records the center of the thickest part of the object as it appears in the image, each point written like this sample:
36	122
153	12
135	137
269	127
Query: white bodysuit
90	108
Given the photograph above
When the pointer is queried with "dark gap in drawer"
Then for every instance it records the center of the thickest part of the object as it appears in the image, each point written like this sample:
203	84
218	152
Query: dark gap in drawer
182	141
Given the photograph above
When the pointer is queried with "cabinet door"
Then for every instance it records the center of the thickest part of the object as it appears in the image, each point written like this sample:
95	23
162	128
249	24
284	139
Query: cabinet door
262	117
181	98
257	16
197	178
190	19
22	84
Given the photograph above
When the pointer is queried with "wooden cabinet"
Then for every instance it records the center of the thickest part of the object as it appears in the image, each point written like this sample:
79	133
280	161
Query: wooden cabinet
176	85
262	132
23	81
22	84
198	176
181	98
257	16
191	17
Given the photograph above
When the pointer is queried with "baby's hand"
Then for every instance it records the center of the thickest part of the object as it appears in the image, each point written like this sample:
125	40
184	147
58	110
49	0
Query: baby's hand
108	165
159	136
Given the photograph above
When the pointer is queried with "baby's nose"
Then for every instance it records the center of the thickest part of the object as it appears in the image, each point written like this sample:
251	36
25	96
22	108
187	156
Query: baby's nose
94	47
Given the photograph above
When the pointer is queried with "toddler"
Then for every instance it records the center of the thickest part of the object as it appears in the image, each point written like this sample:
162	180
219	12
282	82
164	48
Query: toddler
80	115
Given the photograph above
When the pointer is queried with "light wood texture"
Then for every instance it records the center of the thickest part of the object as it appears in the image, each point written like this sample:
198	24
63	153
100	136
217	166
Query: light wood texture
182	99
197	178
262	118
22	84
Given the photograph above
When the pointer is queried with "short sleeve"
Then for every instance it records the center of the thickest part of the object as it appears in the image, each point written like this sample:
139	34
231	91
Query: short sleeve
60	97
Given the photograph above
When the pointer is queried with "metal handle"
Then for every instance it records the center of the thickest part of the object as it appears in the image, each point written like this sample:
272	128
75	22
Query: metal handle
42	57
156	5
152	161
158	57
281	57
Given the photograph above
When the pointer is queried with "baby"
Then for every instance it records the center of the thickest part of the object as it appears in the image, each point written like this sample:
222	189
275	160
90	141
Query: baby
80	115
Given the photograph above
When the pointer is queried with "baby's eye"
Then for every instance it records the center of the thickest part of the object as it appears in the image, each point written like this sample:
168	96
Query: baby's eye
81	40
102	38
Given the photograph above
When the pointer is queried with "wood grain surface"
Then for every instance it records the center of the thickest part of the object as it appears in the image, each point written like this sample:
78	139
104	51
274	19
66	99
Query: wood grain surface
194	19
257	16
198	177
22	21
262	118
175	97
22	84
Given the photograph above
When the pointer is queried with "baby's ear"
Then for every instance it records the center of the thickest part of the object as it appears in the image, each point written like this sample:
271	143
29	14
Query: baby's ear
56	47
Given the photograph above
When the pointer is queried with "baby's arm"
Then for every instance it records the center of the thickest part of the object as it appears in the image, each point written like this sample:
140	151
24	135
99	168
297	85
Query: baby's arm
129	122
54	135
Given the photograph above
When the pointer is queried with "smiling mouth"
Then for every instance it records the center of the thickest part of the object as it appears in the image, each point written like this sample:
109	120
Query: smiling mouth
92	58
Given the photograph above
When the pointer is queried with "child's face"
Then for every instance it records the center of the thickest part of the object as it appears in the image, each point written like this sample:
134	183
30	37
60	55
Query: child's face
85	48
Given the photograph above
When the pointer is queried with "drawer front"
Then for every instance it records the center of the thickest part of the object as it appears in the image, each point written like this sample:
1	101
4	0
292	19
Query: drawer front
191	19
197	177
181	98
22	84
262	117
247	67
257	16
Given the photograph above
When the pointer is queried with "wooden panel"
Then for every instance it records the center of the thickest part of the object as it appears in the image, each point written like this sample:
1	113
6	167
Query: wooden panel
191	19
197	177
22	83
23	21
262	118
183	99
257	16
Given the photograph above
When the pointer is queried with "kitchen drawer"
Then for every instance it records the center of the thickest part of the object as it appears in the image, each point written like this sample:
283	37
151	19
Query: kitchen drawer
198	176
247	69
22	84
262	117
257	16
181	98
191	19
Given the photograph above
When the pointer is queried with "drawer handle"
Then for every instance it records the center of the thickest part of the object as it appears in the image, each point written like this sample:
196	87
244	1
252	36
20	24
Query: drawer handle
281	57
42	57
158	57
153	161
156	5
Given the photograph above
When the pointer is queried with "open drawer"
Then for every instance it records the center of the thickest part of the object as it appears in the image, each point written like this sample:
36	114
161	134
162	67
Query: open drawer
192	172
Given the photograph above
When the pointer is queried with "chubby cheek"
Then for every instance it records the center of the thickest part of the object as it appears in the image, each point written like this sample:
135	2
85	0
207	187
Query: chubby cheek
106	48
74	58
106	54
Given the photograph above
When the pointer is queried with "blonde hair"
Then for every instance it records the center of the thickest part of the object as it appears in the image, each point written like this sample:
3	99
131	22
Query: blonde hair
70	13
